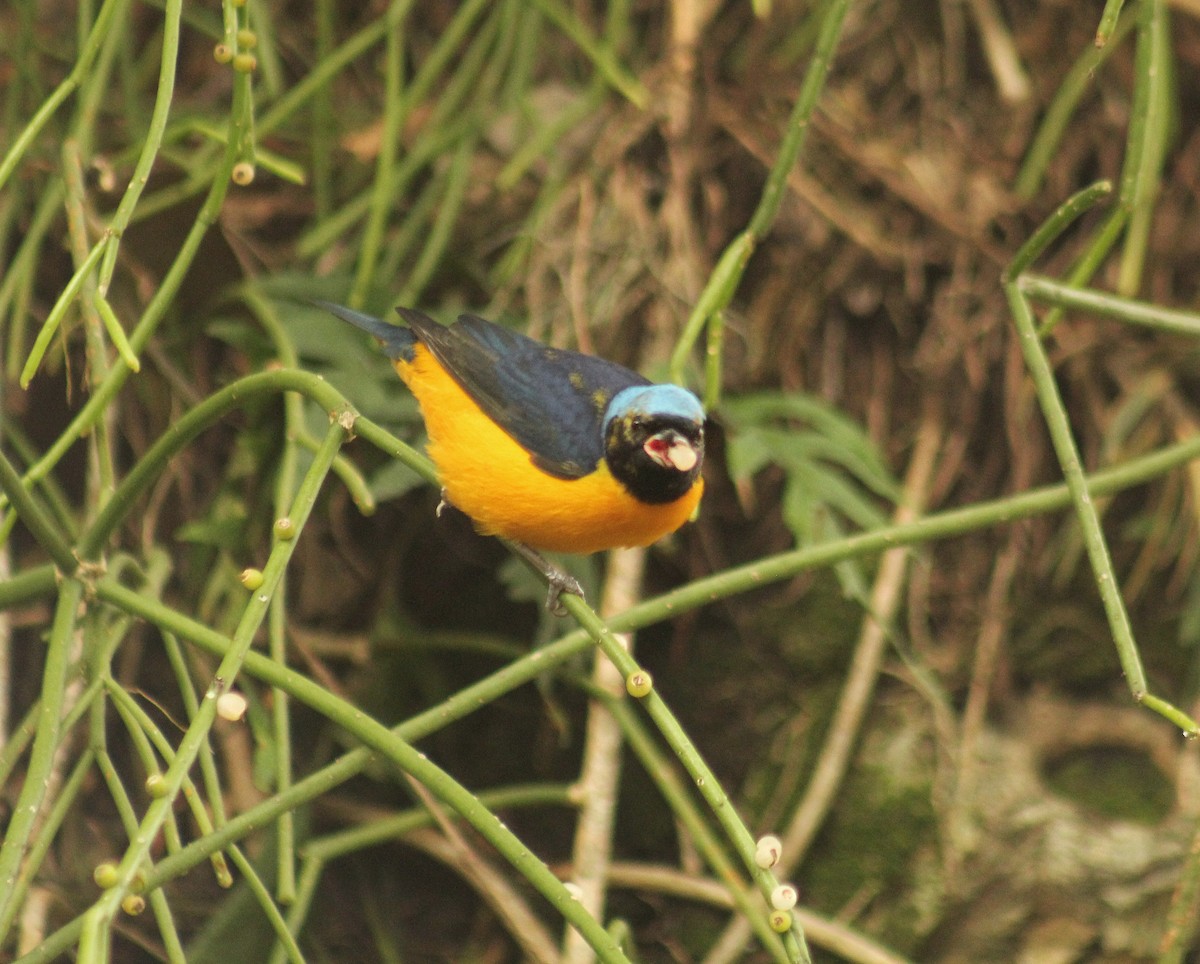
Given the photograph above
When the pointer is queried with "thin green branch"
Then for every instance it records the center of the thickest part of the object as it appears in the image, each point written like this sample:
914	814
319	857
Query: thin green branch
662	771
1055	414
1108	21
207	414
698	593
1149	133
395	111
600	54
685	750
724	281
91	47
342	843
164	295
151	140
1044	146
208	767
1067	214
230	665
35	517
66	798
434	244
45	745
754	575
285	481
17	284
1090	261
65	299
1101	303
29	584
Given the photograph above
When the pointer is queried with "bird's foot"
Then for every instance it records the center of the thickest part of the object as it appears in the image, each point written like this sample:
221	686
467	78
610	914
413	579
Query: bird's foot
558	582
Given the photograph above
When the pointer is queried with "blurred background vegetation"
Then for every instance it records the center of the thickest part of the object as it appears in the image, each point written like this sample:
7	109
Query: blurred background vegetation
577	169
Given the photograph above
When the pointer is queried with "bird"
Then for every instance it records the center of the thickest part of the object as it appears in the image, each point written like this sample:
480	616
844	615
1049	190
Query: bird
548	448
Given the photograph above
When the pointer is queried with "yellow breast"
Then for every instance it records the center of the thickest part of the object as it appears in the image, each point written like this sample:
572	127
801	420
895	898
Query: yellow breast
491	478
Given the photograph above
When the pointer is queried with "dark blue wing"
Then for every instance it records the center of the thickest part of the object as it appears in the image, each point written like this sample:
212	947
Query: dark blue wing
550	400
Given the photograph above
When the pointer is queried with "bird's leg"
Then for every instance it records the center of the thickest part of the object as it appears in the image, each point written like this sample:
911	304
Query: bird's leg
559	582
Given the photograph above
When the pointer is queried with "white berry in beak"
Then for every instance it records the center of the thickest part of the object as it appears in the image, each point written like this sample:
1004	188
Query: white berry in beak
671	450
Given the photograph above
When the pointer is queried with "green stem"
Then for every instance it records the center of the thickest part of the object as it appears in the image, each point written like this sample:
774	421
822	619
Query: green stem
17	284
1105	305
786	565
662	771
35	583
705	780
1108	20
1044	146
285	480
208	413
310	877
99	32
172	16
64	301
45	745
1066	215
208	767
66	798
600	54
342	843
724	281
225	676
1149	131
1089	263
164	295
701	592
36	518
1093	535
395	111
438	239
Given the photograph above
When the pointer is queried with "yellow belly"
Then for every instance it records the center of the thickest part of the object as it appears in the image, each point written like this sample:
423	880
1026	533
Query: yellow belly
491	478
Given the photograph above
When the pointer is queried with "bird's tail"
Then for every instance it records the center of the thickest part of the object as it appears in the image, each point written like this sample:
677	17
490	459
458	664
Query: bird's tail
397	341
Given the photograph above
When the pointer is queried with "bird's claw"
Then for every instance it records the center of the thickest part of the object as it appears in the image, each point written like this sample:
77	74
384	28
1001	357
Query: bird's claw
557	580
558	583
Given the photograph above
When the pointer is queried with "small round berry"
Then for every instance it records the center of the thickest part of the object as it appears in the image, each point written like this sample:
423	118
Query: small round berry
105	875
781	921
156	785
767	851
639	683
245	63
251	578
247	39
137	885
783	897
242	173
231	706
133	904
285	529
222	53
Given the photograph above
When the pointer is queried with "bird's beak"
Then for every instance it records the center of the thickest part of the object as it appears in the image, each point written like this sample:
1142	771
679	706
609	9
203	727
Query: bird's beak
671	450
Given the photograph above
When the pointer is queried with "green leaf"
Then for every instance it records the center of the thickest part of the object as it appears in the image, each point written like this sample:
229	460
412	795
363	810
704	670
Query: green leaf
834	477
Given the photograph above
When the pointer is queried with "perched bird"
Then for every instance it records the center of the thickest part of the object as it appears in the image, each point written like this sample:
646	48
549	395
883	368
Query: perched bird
548	448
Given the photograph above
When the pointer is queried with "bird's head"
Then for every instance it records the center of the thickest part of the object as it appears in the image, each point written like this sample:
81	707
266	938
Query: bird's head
654	441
